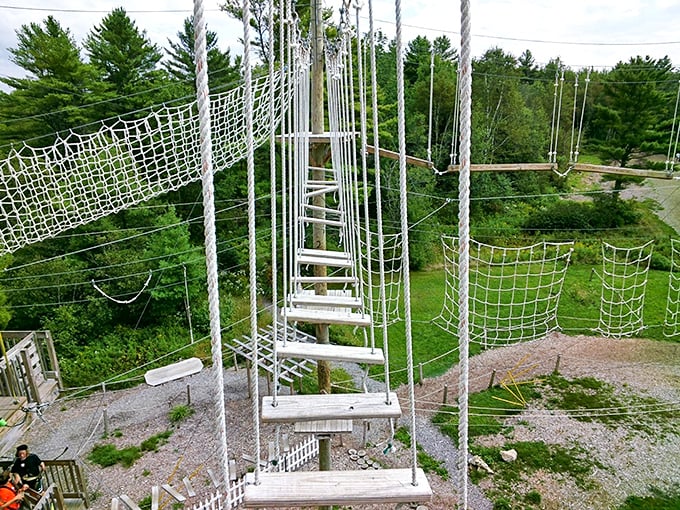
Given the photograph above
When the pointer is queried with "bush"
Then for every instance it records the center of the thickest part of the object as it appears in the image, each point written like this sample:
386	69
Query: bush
108	455
180	413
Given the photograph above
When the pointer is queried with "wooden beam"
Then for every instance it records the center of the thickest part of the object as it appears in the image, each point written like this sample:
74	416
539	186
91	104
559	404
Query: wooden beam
317	316
621	170
410	160
323	427
345	406
174	371
343	488
505	167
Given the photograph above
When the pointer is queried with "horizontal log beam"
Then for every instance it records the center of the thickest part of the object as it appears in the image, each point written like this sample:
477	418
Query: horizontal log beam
410	160
621	170
505	167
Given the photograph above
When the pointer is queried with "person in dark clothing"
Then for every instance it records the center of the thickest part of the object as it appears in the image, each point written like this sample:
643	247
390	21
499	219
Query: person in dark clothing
29	467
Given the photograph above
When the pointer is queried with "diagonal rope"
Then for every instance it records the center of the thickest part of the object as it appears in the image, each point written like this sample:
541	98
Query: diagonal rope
124	301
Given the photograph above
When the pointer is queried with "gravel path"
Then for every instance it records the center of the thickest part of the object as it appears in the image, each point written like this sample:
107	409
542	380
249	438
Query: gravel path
632	461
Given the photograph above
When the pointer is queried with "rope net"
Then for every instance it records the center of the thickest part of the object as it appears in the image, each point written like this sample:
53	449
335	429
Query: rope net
624	278
83	177
672	319
393	275
514	292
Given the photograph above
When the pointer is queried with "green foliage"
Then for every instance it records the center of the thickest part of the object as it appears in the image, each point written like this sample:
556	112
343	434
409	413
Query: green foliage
152	443
341	382
180	413
145	503
108	455
657	500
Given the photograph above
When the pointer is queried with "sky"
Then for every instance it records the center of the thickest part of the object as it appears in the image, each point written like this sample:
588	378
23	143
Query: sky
583	33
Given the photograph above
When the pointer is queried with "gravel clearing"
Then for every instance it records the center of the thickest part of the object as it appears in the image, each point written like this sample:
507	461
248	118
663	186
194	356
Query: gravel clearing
632	460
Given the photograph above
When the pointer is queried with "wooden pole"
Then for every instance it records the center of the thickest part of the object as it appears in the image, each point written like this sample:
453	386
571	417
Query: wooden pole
493	378
445	400
557	364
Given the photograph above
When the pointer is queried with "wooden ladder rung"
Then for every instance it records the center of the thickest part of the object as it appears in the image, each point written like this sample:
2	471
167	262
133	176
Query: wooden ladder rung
325	279
314	488
323	261
326	210
322	221
321	191
343	406
330	352
319	184
316	316
330	300
312	252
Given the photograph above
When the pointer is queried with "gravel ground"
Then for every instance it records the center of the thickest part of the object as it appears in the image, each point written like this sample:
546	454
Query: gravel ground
633	461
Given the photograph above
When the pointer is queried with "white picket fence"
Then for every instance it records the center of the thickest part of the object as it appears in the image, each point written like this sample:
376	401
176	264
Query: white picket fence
298	456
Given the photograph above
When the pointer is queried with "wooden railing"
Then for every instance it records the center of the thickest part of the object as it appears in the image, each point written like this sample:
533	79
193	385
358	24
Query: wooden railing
65	475
50	499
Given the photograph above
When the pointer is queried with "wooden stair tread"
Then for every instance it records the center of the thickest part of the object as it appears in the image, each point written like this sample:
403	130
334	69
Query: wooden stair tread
344	406
316	316
323	261
314	488
329	300
313	252
326	279
330	352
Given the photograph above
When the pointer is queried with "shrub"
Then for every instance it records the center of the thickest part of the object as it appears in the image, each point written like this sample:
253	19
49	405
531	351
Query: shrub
180	413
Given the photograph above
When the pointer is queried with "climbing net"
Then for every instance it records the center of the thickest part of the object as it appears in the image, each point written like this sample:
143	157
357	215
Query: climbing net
672	319
393	279
84	177
624	278
514	292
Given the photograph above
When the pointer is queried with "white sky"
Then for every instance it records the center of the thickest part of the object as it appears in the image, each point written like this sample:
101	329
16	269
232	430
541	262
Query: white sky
581	32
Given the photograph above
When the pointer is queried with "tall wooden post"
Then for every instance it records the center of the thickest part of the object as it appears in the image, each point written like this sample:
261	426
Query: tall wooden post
319	154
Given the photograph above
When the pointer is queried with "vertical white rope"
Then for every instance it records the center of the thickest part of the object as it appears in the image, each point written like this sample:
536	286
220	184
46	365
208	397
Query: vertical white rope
573	121
583	111
252	255
208	191
670	158
187	304
273	207
403	206
464	247
429	127
378	201
364	175
552	151
456	122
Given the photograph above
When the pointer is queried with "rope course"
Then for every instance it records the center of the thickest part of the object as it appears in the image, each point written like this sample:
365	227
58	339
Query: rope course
624	278
672	319
84	177
514	292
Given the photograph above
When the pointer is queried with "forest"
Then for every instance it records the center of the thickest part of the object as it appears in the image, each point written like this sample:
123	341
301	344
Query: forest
79	284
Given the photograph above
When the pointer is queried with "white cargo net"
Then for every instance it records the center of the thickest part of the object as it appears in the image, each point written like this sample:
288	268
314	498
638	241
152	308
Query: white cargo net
83	177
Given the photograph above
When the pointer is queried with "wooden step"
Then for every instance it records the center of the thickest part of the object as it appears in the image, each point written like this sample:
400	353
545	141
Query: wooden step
321	191
326	210
312	252
322	221
316	260
328	301
316	316
344	406
330	352
314	488
319	184
326	279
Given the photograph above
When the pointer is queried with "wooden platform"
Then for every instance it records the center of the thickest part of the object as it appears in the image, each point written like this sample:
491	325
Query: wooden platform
324	261
345	406
174	371
330	352
343	488
316	316
327	301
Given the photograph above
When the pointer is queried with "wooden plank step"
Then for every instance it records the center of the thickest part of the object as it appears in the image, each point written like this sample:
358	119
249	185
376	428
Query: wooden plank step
323	261
326	210
322	221
331	301
321	191
312	252
319	184
326	279
330	352
316	316
174	371
314	488
344	406
323	427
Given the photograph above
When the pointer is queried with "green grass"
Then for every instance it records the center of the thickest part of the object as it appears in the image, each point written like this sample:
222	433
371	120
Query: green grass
341	382
180	413
109	455
151	444
659	500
